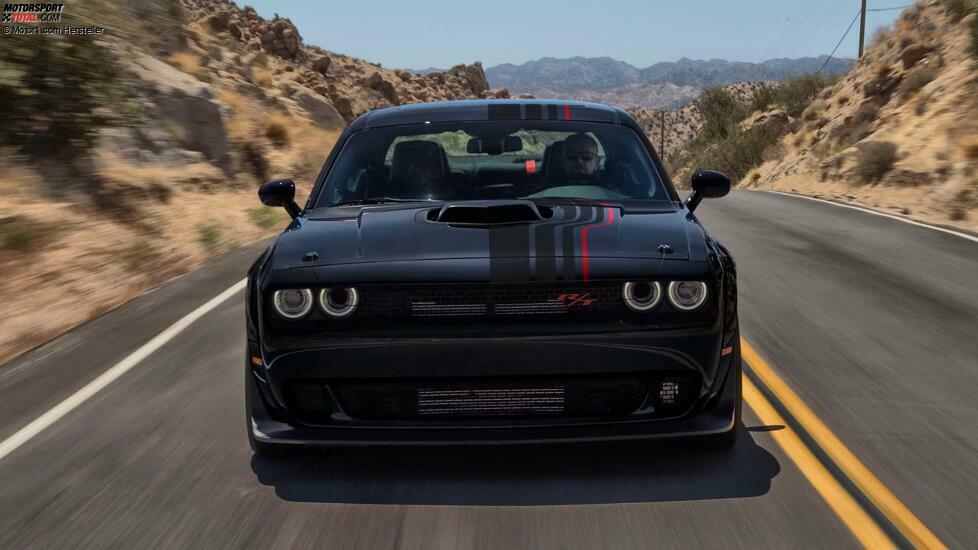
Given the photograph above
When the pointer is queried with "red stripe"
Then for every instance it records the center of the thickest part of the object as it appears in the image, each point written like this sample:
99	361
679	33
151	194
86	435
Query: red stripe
566	112
585	265
531	166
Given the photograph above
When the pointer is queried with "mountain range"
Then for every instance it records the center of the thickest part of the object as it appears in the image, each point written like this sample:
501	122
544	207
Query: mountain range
662	85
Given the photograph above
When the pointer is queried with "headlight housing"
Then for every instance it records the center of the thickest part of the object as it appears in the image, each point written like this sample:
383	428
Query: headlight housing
641	296
292	303
687	295
338	303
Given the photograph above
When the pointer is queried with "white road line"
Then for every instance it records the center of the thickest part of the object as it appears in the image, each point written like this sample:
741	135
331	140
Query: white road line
26	433
870	211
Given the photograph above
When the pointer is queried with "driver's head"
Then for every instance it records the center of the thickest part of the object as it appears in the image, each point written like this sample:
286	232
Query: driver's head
580	156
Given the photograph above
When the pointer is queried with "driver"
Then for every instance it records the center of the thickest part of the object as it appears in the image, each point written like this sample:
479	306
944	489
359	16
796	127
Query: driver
580	159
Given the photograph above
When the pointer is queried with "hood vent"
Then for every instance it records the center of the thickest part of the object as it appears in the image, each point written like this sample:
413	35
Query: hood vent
490	213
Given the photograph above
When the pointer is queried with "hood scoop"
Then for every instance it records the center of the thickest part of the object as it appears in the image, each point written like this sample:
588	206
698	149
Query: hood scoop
481	213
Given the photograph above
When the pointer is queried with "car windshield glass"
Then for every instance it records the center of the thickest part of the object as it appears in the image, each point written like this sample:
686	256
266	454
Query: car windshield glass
493	160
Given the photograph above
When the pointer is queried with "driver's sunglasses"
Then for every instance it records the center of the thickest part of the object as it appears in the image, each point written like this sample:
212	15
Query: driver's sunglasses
583	157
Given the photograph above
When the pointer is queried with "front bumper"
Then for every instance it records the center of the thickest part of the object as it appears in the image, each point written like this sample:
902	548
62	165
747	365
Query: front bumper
713	412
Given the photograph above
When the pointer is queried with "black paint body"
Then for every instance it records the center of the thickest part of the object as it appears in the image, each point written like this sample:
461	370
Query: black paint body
352	381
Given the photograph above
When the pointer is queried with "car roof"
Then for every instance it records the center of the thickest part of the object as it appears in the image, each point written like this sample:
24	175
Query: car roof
493	109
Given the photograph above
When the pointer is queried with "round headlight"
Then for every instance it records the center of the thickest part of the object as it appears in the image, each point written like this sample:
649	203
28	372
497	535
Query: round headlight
687	295
642	295
338	302
292	303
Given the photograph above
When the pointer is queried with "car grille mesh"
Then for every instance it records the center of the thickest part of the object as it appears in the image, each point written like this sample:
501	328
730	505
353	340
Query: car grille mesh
484	301
467	399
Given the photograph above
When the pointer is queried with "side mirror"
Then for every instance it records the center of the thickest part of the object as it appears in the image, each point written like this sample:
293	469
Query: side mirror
279	193
707	184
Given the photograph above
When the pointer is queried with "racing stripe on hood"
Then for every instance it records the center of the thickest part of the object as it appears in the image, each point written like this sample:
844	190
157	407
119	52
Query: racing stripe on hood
544	237
588	215
509	253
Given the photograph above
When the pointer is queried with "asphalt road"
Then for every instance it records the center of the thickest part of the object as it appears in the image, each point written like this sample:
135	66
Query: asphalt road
873	322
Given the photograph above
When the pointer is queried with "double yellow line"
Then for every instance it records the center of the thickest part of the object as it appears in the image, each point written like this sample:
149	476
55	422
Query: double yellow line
866	530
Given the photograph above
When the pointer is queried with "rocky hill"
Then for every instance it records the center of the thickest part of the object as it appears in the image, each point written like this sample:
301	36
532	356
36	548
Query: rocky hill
683	124
142	158
900	130
663	85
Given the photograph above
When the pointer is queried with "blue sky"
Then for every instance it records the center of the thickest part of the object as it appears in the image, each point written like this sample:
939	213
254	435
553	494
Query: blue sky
442	33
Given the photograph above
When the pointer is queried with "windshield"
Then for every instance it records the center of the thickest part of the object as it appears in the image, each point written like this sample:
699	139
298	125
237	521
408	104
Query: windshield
493	160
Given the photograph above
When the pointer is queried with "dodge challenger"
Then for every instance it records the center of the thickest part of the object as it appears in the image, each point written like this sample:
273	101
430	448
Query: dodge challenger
492	272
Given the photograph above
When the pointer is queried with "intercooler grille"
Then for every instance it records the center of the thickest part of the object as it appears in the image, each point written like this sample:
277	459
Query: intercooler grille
482	301
468	399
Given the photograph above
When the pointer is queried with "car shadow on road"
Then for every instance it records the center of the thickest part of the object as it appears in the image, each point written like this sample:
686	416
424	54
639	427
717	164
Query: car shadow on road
522	476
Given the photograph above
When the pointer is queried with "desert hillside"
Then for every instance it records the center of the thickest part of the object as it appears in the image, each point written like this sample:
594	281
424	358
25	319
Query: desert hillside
124	172
900	130
684	123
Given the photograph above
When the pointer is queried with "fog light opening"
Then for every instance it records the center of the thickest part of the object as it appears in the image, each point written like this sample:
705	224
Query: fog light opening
668	393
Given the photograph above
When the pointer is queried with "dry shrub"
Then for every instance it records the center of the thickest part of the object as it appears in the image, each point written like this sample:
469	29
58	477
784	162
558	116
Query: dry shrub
813	110
970	148
263	77
842	100
876	158
277	130
190	64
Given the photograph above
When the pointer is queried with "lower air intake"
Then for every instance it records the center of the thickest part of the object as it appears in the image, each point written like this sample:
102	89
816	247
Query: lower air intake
468	399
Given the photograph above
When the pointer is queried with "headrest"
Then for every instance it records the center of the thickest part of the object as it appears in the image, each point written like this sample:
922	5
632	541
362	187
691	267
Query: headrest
553	165
419	169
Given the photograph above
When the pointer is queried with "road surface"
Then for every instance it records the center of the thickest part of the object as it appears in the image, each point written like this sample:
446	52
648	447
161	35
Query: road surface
873	323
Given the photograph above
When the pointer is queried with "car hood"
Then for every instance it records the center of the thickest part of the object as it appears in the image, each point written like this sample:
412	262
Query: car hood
402	234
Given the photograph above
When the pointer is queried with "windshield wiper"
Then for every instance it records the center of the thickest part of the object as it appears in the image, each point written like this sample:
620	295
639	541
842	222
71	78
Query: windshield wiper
379	200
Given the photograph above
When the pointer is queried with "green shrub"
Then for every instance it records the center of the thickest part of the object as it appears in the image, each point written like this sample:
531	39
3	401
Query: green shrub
265	217
876	158
209	236
15	235
792	96
721	112
958	9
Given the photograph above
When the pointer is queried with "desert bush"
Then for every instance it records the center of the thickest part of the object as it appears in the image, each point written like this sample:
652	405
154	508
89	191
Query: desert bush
917	80
813	110
263	77
210	236
876	158
721	112
277	131
792	96
55	98
958	9
190	64
265	217
254	159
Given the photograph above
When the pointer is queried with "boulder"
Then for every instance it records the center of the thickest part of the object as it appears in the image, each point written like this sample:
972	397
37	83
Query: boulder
376	81
773	119
501	93
321	110
913	54
234	30
218	22
321	64
181	100
281	38
882	85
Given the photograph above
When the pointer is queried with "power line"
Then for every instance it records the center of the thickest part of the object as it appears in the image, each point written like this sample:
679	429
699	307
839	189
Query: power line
890	9
829	58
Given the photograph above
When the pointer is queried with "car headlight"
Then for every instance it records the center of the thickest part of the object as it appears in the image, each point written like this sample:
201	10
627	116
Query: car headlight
292	303
338	302
687	295
641	296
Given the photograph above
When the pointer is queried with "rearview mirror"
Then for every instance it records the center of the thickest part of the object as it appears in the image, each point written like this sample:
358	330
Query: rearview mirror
707	184
493	146
279	193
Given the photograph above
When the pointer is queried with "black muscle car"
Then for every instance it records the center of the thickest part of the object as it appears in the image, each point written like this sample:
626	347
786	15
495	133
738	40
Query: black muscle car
492	272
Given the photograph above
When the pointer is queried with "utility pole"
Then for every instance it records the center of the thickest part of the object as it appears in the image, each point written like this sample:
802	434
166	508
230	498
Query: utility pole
862	29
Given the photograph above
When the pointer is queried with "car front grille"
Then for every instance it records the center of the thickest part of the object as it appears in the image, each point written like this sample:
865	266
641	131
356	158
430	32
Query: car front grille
437	302
473	399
